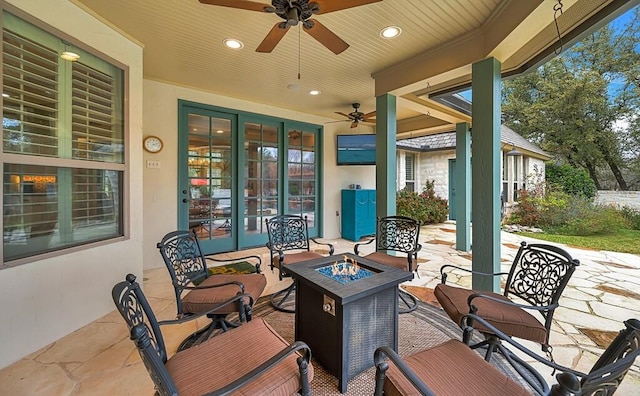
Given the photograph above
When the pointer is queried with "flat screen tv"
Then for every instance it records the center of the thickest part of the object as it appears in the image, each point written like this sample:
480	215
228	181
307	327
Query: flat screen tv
356	149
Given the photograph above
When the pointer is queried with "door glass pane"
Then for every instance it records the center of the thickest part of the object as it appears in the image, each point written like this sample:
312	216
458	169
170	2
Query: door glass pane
301	168
210	189
261	176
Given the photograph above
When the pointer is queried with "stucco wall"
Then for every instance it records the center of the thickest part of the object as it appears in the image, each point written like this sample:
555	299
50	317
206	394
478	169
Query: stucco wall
47	299
160	185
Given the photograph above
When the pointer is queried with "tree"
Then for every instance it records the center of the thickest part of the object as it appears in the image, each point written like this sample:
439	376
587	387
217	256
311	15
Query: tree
582	106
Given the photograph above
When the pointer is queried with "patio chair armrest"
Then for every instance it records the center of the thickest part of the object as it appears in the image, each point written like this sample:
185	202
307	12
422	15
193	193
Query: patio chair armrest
236	260
417	249
331	248
232	300
357	246
443	274
297	347
381	368
511	303
467	323
238	283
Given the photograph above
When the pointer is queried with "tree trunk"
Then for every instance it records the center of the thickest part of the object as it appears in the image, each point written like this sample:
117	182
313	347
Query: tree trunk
617	174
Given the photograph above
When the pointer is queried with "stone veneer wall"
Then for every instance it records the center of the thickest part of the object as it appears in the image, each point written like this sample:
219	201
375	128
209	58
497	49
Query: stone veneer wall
619	198
435	166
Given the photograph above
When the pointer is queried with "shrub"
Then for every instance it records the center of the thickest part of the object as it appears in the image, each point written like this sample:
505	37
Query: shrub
632	216
426	207
594	220
571	180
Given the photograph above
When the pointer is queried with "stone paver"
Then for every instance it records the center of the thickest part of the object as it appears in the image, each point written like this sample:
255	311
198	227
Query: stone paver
99	359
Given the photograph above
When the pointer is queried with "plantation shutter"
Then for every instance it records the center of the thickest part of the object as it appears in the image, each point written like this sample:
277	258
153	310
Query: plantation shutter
30	97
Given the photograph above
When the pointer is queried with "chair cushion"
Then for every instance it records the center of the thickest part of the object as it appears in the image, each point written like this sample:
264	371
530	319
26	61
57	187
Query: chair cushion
196	301
399	262
511	320
226	357
290	258
452	369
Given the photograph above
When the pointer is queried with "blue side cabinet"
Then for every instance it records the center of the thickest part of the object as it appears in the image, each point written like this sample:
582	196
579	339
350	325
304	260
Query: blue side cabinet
358	214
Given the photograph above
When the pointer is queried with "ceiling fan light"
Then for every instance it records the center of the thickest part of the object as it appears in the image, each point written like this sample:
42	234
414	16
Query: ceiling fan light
70	56
233	43
390	32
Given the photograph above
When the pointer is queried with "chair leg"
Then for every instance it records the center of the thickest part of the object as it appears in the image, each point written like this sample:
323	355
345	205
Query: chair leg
408	301
279	301
218	322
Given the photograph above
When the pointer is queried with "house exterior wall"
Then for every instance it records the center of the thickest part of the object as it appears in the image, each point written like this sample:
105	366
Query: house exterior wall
434	166
429	166
160	185
46	299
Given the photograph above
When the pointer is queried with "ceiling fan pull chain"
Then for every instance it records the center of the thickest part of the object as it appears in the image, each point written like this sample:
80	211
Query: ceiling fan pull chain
299	50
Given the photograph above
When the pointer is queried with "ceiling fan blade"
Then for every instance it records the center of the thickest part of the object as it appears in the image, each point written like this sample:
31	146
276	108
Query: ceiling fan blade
343	114
273	38
369	115
336	5
243	5
354	124
326	37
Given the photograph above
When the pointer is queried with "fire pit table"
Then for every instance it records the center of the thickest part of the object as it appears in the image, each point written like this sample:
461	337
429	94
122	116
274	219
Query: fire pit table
346	307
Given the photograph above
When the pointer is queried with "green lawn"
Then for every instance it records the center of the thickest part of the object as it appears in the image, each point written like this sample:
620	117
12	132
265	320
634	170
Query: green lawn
625	241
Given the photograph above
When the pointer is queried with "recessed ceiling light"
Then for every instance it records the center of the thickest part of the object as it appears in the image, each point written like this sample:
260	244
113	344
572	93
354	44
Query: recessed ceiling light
233	43
314	92
70	56
219	131
5	95
390	32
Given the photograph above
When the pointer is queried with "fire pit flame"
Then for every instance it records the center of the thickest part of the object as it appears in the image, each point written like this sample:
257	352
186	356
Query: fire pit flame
345	271
347	267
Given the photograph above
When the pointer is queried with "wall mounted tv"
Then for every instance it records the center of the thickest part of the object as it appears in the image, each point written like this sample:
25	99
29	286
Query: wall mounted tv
356	149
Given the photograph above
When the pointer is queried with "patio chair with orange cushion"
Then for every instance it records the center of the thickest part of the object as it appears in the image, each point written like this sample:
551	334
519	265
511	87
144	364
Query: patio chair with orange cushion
197	291
534	284
453	368
250	360
396	234
289	244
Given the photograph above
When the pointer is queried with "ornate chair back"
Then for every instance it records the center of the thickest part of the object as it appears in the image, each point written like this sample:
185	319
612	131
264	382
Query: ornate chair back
400	234
609	371
539	275
145	332
182	254
288	232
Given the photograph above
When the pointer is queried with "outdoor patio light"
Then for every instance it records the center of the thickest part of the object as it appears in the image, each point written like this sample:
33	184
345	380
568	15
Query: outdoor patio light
314	92
513	152
390	32
233	43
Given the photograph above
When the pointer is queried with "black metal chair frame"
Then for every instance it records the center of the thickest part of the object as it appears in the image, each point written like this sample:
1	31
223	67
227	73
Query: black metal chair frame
524	281
192	269
398	234
603	379
287	233
145	333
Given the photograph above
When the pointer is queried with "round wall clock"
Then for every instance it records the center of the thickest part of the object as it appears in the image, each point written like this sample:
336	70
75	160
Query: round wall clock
152	144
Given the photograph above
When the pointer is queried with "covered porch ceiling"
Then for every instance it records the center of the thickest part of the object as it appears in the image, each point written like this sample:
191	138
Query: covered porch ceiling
440	40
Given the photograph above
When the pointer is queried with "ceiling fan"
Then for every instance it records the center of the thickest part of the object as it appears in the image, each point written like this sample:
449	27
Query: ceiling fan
294	12
357	116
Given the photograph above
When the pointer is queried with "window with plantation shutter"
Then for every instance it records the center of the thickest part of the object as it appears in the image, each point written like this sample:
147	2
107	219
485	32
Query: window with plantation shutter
63	144
410	171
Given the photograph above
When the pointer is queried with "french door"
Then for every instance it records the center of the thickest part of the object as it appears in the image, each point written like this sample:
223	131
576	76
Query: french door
237	169
207	198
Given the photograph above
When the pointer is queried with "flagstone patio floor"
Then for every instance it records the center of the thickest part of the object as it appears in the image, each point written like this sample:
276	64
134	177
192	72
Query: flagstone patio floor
99	359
